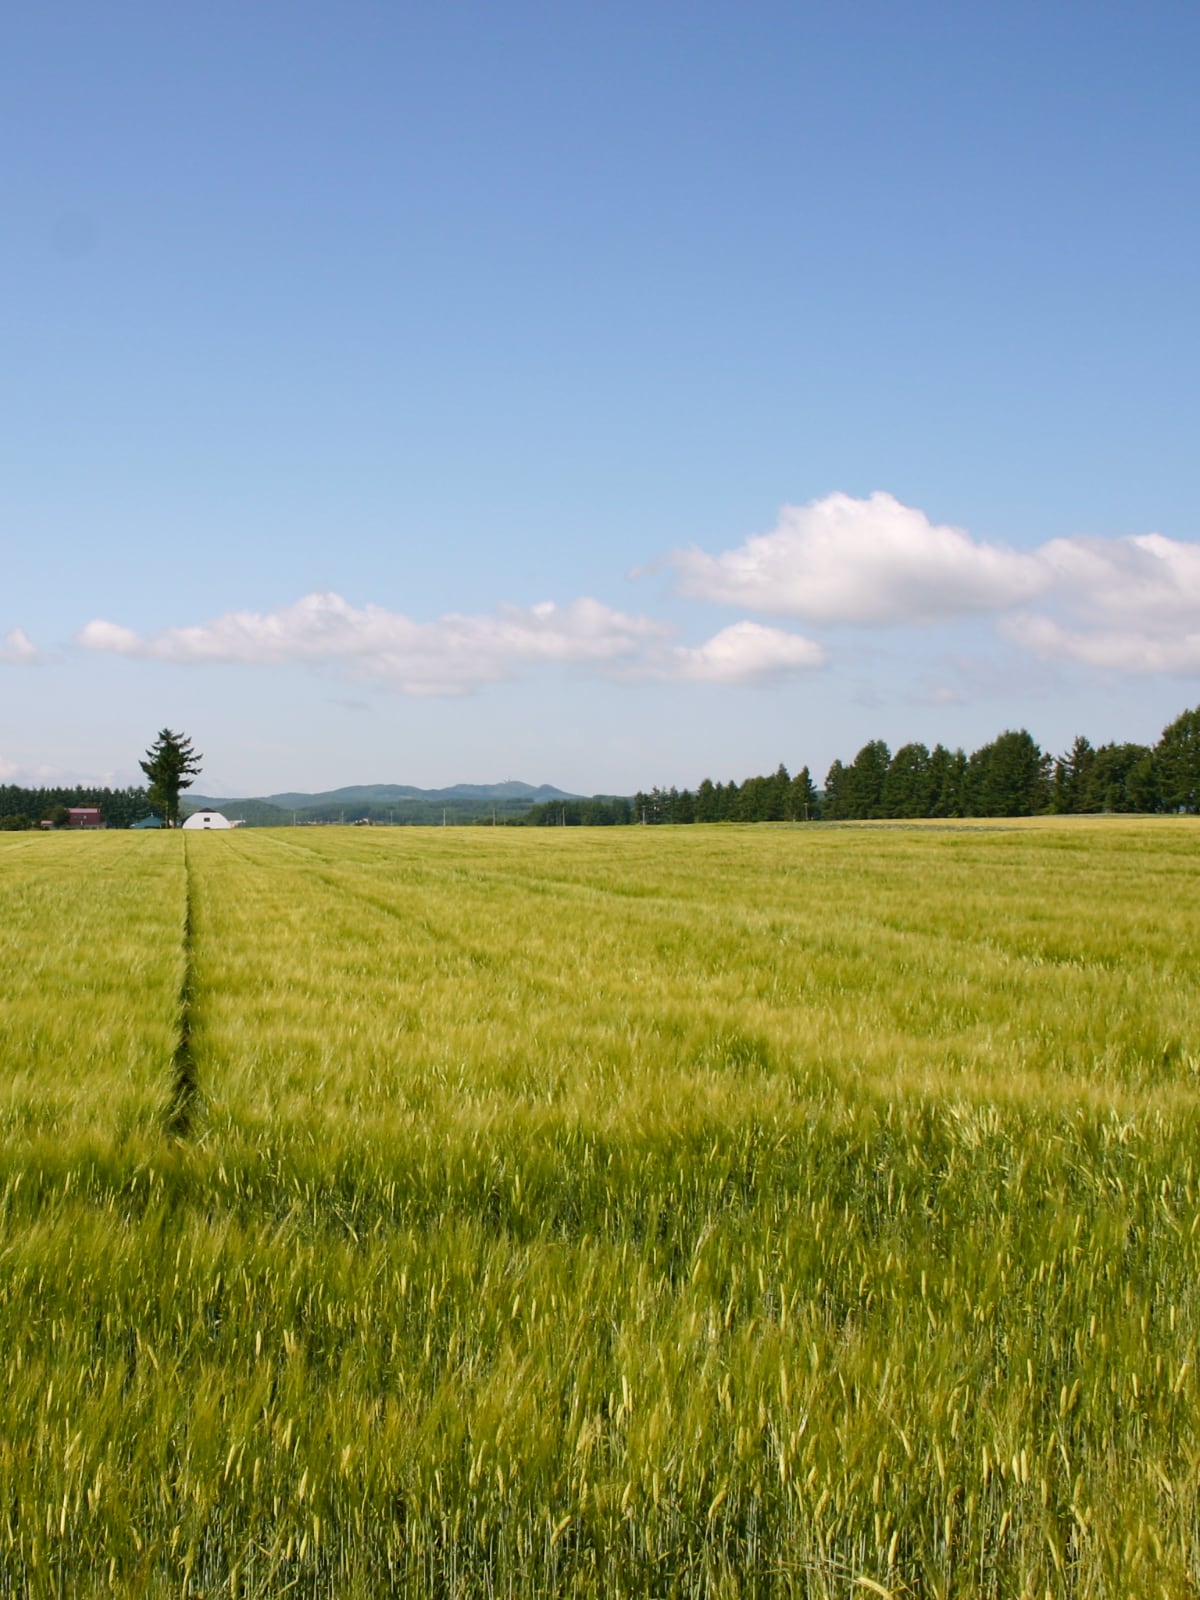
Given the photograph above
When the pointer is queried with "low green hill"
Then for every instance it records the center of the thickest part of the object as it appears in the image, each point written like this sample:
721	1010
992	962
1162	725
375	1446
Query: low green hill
384	804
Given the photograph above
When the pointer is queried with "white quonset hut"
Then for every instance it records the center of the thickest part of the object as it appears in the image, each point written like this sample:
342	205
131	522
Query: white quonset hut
207	819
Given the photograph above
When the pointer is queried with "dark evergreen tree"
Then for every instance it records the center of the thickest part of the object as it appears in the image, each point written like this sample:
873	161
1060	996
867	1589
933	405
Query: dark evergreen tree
1008	778
833	800
170	764
1177	759
864	781
946	771
908	786
1141	785
804	803
778	795
754	799
1106	787
708	804
1070	777
118	807
598	812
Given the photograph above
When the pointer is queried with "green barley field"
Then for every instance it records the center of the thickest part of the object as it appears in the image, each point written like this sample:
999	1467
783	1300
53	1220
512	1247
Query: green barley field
722	1211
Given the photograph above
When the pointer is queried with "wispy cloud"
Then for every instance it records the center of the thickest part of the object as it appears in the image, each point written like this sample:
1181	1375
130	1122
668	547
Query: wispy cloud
1127	604
1107	650
456	654
448	656
451	655
1142	579
44	775
1118	605
18	647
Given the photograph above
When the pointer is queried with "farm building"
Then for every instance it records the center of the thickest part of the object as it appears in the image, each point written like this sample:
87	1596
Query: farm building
84	817
207	819
147	822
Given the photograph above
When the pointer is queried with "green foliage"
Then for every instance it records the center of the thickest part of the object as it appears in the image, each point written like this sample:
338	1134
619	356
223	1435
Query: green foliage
1070	777
804	803
599	812
908	784
1178	763
1114	780
1008	778
1116	777
118	807
834	803
862	786
170	765
947	780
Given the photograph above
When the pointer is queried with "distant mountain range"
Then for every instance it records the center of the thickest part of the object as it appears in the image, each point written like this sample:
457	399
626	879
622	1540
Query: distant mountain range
381	802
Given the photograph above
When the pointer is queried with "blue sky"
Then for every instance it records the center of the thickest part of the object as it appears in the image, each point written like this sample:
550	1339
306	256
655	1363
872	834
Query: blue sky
597	395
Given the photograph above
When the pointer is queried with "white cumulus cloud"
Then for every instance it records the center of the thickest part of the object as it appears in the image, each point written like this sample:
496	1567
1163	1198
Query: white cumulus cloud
1128	604
744	653
873	561
18	647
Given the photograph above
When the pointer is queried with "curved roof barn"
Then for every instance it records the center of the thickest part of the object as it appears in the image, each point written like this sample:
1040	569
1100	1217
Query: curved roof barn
206	819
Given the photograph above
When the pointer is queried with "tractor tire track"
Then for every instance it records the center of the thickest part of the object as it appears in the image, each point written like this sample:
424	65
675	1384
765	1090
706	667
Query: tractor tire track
183	1104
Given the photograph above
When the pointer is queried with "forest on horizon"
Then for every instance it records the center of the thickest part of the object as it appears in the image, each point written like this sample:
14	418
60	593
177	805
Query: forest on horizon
1010	776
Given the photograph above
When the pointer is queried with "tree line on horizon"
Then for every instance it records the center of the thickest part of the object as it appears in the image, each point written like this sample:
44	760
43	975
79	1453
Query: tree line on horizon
169	765
22	808
1011	776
